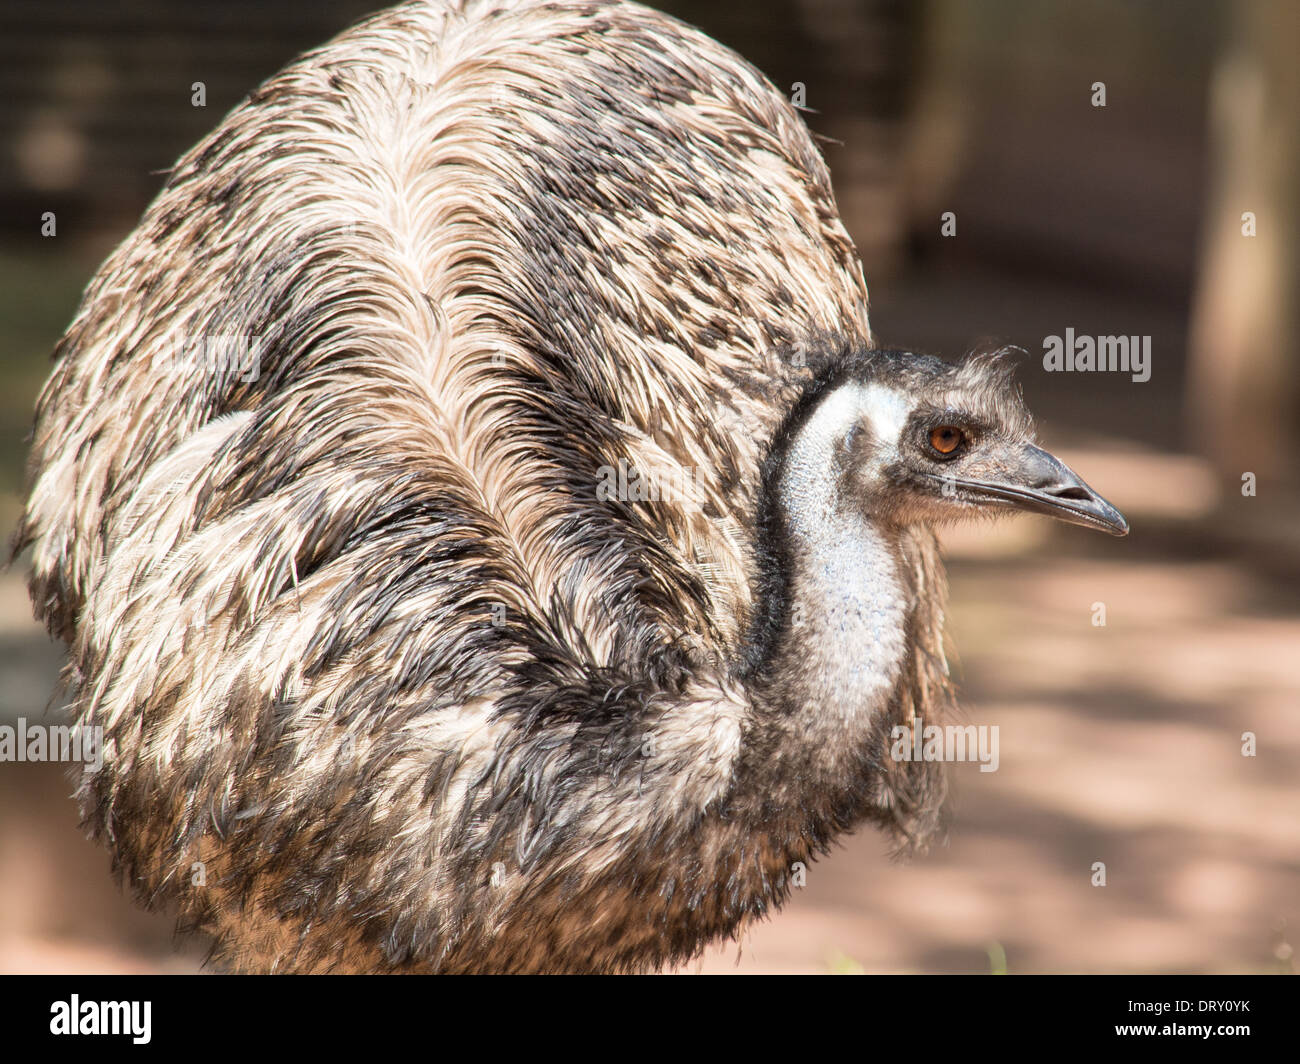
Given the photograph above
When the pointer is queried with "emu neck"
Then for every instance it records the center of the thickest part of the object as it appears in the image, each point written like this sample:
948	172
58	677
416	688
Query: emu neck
835	661
845	637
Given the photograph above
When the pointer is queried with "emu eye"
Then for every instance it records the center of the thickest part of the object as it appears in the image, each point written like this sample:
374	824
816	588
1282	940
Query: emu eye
945	439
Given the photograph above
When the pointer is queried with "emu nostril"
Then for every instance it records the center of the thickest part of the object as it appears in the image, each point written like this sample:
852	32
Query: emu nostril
1045	484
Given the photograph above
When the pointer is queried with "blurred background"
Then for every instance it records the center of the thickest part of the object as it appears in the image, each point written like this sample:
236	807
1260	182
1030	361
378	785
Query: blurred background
993	197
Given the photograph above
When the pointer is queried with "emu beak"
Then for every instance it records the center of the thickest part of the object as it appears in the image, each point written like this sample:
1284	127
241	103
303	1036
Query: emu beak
1041	483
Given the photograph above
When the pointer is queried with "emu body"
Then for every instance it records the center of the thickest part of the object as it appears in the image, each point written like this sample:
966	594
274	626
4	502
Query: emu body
361	635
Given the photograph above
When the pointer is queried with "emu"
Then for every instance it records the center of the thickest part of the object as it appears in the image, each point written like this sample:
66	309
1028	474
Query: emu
384	685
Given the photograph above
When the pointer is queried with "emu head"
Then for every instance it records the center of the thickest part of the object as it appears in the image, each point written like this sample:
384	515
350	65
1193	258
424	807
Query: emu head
913	440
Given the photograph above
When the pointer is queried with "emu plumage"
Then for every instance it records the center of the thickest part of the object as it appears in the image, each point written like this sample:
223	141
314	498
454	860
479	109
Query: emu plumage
384	685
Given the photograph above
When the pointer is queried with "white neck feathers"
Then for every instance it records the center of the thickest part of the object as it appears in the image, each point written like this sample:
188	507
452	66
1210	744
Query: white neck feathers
848	603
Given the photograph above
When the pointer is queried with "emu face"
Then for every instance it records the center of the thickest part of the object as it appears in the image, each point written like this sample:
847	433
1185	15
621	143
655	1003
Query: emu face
938	443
